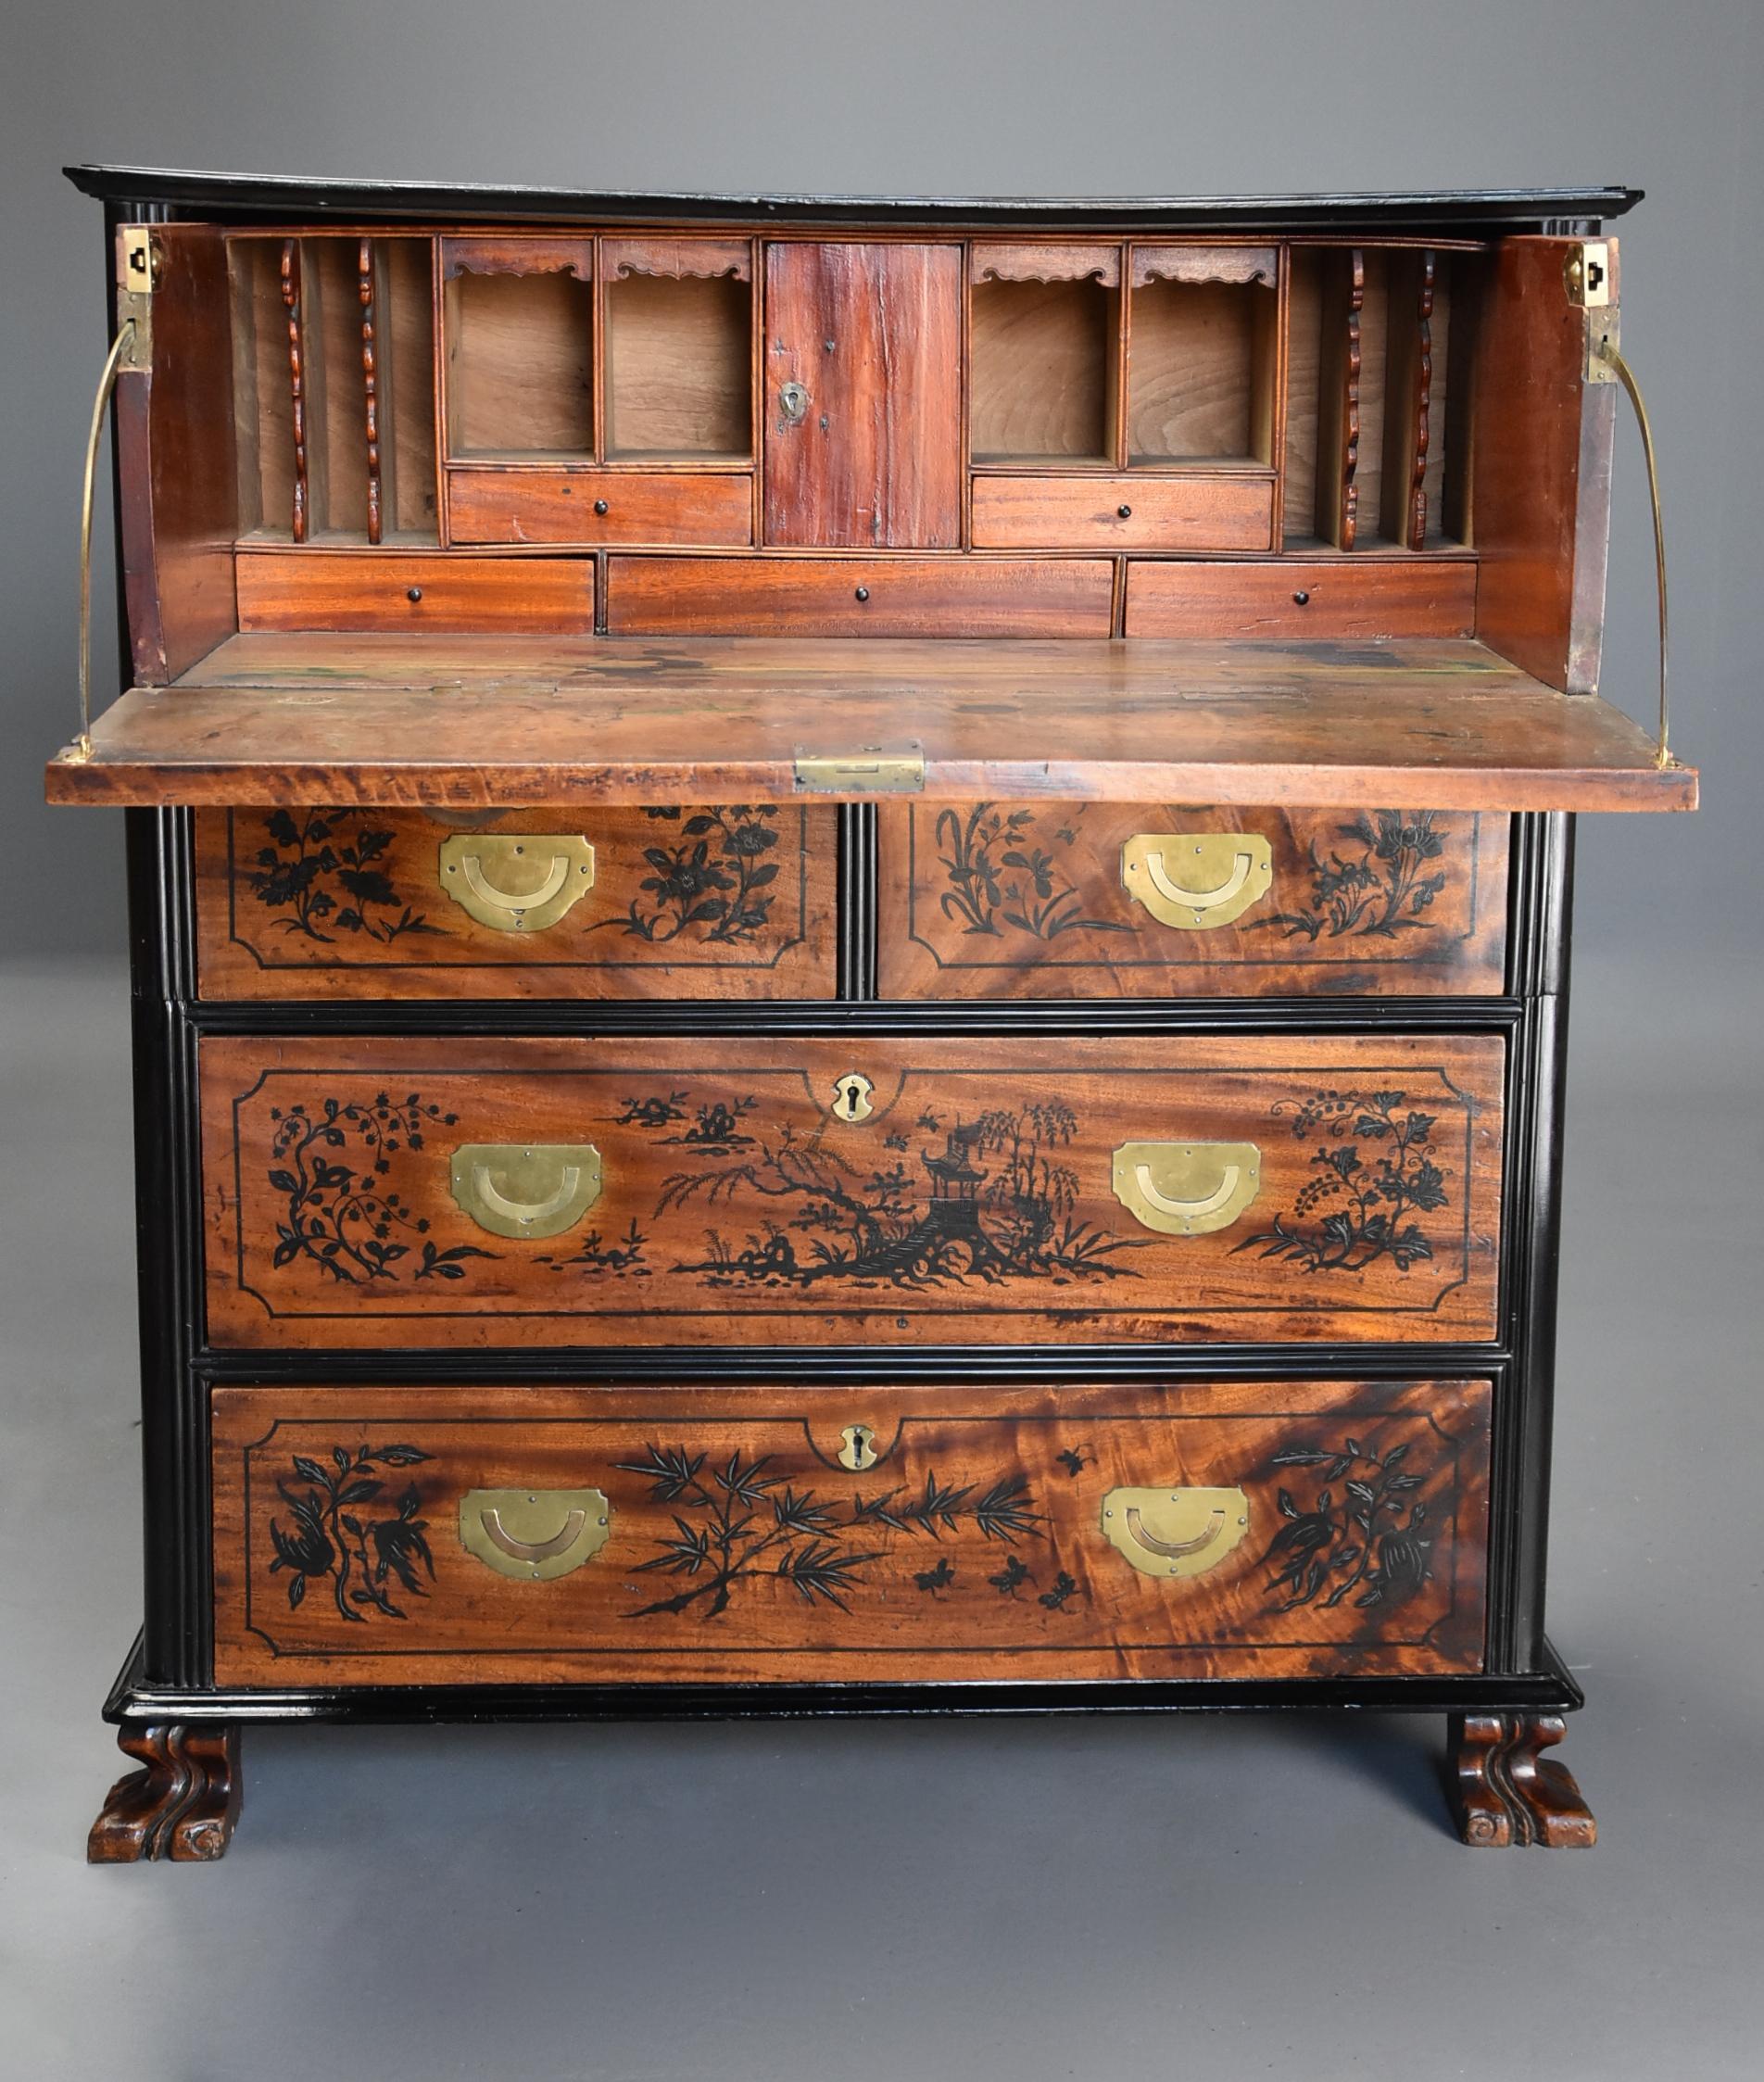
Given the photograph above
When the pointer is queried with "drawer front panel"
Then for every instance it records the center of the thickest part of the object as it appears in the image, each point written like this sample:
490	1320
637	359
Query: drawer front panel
1119	900
437	594
859	597
863	1190
1128	512
674	902
1331	599
780	1534
594	506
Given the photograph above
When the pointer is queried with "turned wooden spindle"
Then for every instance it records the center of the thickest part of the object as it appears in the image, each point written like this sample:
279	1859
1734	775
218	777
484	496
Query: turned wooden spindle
296	379
370	375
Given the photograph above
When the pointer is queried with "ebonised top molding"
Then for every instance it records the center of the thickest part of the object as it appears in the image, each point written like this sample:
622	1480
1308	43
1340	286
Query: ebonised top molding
1463	211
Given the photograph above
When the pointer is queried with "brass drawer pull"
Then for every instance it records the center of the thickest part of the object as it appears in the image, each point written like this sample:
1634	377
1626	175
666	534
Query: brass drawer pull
526	1191
1174	1532
1187	1189
516	881
1195	880
534	1534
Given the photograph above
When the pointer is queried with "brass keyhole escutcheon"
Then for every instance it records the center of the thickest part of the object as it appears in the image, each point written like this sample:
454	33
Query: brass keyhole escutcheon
858	1449
793	402
853	1095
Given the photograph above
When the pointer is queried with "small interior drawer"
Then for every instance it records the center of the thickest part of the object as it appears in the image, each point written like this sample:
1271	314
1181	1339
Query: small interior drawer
671	903
1196	511
855	596
1318	599
594	507
722	1190
1120	900
773	1533
401	592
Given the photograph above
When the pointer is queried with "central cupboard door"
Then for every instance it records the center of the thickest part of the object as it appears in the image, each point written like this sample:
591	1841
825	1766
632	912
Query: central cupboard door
862	406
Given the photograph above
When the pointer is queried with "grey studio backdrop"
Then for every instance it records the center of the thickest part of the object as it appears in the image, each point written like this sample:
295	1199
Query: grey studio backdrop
999	1899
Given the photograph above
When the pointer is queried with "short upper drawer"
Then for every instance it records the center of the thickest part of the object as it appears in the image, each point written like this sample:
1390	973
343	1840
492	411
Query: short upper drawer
1200	511
1118	900
679	1190
595	506
673	902
892	595
674	1535
404	591
1321	600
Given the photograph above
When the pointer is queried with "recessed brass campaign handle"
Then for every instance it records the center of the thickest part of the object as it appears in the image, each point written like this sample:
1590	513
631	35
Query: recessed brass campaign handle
1174	1532
534	1534
1187	1189
516	881
1196	880
526	1190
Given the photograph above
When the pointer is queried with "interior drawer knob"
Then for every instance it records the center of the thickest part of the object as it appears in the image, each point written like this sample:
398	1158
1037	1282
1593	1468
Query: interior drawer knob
1195	880
526	1191
534	1534
1174	1532
516	881
1187	1189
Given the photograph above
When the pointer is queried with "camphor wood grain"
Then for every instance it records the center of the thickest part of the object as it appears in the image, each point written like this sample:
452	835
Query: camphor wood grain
278	928
1298	599
1194	511
1201	373
872	334
590	506
407	590
519	350
975	1545
1373	902
1042	360
679	363
1005	600
975	1203
456	722
262	399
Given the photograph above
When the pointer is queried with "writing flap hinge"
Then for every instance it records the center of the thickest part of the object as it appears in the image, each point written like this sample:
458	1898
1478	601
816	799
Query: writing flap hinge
137	263
868	771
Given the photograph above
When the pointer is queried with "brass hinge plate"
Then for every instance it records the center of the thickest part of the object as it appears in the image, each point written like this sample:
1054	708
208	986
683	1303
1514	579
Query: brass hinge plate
137	262
1604	329
1588	273
871	770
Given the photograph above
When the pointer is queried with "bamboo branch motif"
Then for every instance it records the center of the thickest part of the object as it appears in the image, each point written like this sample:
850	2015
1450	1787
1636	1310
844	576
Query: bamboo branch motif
741	1524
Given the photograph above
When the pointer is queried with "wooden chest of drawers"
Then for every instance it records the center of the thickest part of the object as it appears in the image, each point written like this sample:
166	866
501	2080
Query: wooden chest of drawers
850	943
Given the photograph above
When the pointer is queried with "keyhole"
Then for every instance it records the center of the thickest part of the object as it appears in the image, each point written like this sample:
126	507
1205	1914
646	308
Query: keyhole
858	1449
852	1096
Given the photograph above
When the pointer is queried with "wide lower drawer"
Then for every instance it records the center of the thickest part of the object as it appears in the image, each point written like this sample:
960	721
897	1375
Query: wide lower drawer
707	1190
400	591
1102	899
1304	600
596	506
1200	511
787	1534
671	903
891	595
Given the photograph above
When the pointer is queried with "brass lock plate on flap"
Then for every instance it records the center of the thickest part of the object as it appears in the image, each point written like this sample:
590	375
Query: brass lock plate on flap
1174	1532
1195	880
516	881
534	1534
1187	1189
871	770
526	1191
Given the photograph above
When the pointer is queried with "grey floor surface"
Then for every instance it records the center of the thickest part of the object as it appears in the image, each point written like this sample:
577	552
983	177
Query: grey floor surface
1140	1897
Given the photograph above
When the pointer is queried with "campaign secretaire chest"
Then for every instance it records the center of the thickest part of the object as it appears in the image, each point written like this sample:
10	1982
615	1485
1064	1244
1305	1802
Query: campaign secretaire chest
850	935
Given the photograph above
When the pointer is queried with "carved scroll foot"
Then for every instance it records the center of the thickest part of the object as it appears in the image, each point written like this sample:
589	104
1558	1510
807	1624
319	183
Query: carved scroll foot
1505	1792
182	1803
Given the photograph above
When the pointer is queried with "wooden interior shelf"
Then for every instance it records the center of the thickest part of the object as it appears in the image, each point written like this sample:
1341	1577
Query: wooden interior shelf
1044	367
462	722
518	319
679	352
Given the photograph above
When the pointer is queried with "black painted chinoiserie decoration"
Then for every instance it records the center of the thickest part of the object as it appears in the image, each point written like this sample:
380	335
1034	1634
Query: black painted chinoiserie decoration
851	932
